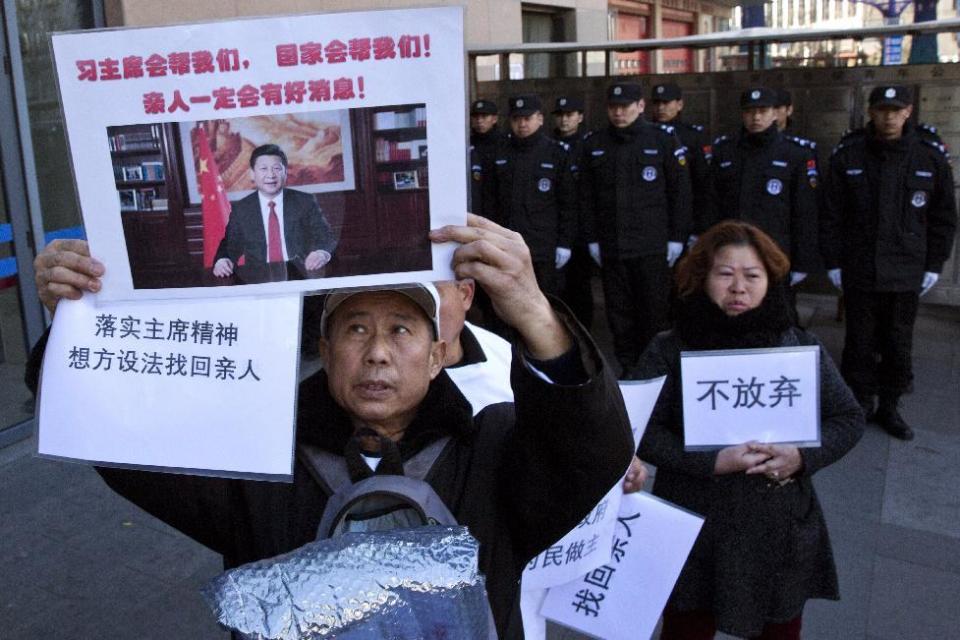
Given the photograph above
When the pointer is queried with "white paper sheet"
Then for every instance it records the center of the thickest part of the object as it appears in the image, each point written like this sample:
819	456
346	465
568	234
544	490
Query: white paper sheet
767	395
139	76
623	599
193	386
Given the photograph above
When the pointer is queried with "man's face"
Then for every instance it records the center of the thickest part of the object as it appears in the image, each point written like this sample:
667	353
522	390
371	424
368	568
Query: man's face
269	175
888	120
380	357
783	113
568	122
624	115
524	126
456	298
665	110
482	122
757	119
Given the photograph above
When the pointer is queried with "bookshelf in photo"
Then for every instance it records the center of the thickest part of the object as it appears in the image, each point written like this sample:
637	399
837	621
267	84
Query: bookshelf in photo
137	153
399	136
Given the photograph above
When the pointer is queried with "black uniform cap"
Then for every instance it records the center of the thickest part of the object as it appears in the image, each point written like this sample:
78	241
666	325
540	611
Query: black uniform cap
758	97
624	92
524	105
568	104
896	95
488	107
784	98
666	92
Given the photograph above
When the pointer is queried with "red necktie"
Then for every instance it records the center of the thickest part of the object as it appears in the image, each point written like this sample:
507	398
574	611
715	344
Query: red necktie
274	250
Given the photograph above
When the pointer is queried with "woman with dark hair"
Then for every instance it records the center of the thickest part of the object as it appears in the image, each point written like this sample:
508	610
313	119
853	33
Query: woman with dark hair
764	549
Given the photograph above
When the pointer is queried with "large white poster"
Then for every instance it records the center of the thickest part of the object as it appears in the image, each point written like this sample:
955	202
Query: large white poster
165	123
767	395
203	387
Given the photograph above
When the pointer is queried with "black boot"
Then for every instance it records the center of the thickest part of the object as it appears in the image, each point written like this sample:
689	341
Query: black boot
892	422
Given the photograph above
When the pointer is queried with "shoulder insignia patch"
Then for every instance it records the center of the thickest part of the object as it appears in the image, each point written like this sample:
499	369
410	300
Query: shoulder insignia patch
939	146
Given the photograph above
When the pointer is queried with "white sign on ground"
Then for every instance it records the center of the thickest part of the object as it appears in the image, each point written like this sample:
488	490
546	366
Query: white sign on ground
767	395
200	387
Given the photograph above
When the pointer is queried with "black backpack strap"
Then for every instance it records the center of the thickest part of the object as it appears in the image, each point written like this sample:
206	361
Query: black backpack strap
420	464
327	469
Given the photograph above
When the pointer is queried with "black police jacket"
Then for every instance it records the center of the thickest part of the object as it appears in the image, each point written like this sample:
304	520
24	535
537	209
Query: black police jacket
574	145
763	179
889	211
535	193
483	151
635	190
695	141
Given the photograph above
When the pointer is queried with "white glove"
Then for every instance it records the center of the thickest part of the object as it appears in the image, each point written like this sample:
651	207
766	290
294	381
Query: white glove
563	256
796	277
929	279
692	240
594	248
835	278
674	249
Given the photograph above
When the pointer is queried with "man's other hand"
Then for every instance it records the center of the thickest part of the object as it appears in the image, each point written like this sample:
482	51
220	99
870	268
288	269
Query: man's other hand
499	260
636	476
317	259
223	268
64	269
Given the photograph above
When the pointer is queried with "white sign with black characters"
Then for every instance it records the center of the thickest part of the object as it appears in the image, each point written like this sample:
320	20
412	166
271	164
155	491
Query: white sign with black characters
764	395
623	598
206	387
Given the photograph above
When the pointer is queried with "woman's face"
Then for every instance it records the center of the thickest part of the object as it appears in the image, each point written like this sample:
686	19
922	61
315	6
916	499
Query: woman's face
737	282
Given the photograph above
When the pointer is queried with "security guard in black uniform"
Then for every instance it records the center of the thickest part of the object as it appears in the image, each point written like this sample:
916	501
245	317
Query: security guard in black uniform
763	177
666	107
485	141
577	289
535	191
635	195
888	227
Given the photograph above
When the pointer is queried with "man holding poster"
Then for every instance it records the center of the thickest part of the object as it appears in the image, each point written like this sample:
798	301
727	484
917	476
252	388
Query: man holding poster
383	394
274	224
764	550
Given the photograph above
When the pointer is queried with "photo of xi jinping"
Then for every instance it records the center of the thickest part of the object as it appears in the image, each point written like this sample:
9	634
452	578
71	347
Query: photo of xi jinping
274	224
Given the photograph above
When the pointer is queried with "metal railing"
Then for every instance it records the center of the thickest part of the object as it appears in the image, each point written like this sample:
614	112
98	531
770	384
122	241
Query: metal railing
754	40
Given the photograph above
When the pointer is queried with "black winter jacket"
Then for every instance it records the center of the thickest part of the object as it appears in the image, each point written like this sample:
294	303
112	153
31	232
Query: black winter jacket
890	212
763	550
535	193
635	190
762	179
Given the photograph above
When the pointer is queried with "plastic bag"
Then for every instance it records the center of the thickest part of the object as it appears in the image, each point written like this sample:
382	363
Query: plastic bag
403	583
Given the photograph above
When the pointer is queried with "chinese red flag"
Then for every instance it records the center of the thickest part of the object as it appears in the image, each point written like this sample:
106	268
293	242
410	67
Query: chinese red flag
215	205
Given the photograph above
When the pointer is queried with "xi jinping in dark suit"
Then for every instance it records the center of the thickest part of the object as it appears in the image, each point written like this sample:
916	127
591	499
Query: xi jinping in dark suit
274	224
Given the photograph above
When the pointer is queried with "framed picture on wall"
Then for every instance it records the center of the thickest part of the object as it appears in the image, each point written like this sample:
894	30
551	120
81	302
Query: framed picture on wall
318	145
